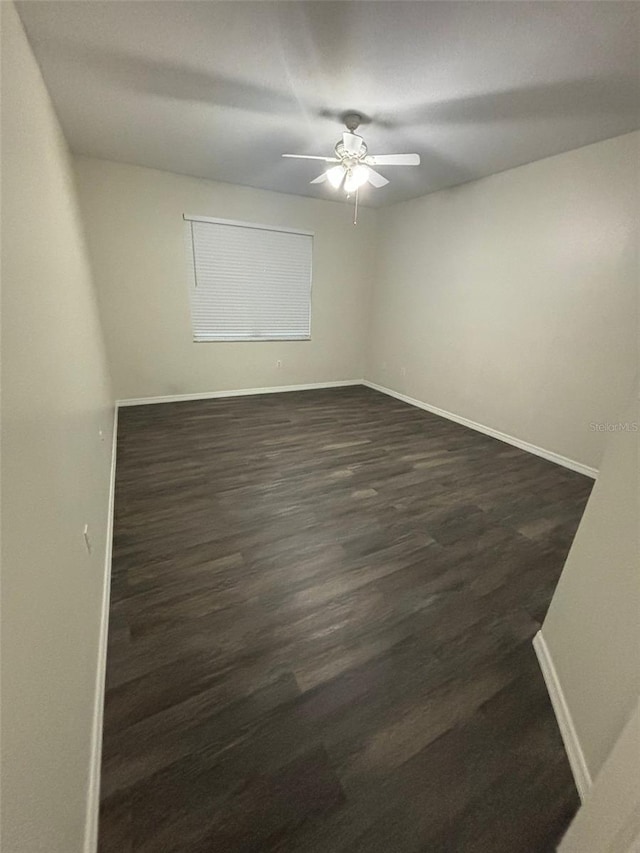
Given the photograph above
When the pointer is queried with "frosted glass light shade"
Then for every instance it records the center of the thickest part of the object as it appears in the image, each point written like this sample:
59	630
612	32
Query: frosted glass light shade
335	176
356	177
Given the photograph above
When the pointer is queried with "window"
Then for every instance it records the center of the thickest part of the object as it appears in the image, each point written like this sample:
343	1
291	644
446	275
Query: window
248	282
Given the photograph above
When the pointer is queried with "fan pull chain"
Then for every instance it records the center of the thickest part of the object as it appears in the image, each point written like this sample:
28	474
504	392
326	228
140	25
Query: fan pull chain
355	209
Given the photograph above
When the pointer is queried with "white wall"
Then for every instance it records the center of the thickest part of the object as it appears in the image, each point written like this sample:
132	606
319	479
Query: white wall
609	819
592	629
512	301
55	472
134	225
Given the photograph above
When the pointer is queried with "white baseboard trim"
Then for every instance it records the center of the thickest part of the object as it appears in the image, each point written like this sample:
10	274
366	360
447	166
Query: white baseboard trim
242	392
549	455
577	761
93	789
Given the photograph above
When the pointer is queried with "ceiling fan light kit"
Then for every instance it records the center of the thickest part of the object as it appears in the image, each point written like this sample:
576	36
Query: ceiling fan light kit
356	178
353	169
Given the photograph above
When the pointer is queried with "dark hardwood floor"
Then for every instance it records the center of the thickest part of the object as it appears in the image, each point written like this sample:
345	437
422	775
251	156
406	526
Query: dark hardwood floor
321	618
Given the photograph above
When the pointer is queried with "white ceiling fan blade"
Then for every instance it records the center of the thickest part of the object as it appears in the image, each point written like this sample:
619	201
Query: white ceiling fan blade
352	143
392	160
320	179
376	179
311	157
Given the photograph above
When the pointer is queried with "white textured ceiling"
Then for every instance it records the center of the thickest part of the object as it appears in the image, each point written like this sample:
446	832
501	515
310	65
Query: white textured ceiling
220	90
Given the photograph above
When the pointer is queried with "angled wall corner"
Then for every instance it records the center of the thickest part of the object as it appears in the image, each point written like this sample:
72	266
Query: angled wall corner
592	629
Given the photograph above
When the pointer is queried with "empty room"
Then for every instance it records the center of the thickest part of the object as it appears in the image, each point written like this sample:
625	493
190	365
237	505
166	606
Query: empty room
320	426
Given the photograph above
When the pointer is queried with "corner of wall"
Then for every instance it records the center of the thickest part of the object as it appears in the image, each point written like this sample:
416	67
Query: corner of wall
591	631
93	787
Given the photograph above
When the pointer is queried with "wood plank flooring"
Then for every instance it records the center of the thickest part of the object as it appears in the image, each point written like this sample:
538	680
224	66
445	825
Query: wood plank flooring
322	609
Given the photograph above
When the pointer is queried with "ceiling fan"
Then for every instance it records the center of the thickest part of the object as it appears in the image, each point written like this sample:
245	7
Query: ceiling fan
354	162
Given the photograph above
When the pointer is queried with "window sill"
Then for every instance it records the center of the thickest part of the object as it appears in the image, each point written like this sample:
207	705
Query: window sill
221	340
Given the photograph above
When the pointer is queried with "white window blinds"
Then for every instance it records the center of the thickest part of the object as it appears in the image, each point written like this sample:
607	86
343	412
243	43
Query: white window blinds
249	282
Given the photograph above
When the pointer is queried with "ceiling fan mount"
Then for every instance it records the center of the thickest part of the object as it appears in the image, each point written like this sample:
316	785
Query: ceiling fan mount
352	121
